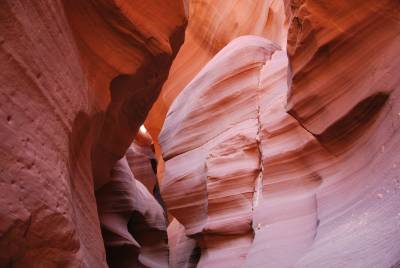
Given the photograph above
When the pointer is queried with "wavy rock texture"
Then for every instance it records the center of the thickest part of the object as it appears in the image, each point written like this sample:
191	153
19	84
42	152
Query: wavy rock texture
212	25
285	217
345	91
320	82
254	170
213	163
133	222
280	153
250	194
77	80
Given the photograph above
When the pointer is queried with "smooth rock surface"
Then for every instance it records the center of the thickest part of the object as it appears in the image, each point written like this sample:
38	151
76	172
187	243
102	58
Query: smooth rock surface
279	152
126	55
212	24
212	163
184	251
345	91
258	184
142	161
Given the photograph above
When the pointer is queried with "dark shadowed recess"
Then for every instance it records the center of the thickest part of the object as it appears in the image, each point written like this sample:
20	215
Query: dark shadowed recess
352	125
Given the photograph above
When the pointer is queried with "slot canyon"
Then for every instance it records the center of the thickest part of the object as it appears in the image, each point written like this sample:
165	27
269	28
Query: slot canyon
200	133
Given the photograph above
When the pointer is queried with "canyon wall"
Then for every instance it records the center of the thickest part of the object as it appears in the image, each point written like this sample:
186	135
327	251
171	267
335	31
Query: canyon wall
276	132
212	25
344	90
77	80
291	162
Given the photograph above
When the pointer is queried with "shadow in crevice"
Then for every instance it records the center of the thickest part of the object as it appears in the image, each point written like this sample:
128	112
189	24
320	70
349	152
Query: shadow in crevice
341	135
354	124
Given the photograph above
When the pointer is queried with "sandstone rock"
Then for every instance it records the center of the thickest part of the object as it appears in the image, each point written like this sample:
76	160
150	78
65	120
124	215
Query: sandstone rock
280	153
212	25
341	72
345	91
249	179
212	163
133	222
126	54
260	188
142	161
285	217
48	214
77	80
184	251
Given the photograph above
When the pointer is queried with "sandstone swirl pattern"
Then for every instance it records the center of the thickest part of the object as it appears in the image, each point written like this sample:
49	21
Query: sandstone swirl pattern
279	152
211	26
250	183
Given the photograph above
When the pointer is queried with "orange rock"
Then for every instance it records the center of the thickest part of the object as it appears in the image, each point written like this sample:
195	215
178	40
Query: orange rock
212	25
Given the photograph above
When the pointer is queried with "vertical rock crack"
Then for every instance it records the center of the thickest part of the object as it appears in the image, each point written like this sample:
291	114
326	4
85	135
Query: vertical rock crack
259	180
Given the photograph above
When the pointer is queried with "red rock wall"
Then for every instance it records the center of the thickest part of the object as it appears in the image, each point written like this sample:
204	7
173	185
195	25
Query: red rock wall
276	155
48	212
126	54
77	80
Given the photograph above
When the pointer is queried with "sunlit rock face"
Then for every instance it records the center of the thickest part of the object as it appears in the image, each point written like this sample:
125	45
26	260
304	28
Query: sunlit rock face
77	80
141	160
242	176
276	161
212	25
280	141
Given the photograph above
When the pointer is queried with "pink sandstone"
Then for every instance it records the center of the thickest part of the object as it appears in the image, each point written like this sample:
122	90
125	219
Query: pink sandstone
275	128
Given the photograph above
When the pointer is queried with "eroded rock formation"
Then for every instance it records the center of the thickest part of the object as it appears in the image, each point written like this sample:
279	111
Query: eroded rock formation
301	170
142	161
233	192
280	147
77	80
212	25
344	90
133	222
126	55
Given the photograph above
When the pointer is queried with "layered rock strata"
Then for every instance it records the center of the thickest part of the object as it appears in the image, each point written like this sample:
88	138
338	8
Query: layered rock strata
48	214
216	162
344	90
211	26
256	183
271	161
